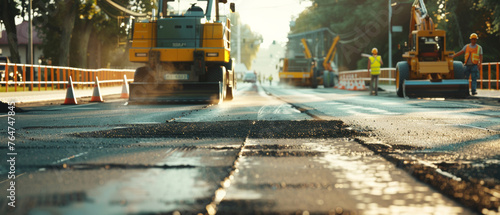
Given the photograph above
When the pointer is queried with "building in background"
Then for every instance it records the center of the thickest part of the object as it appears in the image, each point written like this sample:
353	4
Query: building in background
22	39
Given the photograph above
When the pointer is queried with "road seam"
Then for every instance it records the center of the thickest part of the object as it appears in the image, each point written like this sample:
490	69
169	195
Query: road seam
220	193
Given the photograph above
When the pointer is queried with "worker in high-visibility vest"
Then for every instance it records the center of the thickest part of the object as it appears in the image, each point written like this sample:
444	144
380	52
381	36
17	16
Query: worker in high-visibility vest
374	64
472	61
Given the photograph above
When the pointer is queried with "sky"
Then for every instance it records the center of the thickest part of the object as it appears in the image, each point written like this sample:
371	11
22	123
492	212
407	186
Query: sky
270	18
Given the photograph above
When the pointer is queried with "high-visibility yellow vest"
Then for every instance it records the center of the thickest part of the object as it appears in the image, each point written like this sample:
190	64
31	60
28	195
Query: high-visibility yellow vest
475	54
375	64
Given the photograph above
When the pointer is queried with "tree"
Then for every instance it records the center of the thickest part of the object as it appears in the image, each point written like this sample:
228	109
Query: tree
81	33
8	12
70	25
460	18
361	25
67	18
494	8
56	21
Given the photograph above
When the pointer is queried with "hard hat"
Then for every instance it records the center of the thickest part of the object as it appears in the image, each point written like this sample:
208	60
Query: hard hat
474	36
374	51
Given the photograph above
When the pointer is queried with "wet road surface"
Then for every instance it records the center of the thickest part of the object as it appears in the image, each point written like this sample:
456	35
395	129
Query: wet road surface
272	150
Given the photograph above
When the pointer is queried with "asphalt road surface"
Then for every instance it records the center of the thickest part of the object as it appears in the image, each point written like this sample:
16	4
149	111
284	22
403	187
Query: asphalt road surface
272	150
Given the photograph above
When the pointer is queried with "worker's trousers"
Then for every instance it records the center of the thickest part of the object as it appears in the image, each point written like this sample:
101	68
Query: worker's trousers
472	71
374	85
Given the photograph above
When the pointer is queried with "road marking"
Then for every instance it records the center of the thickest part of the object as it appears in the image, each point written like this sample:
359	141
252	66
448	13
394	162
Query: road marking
70	157
89	108
17	176
70	106
366	110
438	170
476	127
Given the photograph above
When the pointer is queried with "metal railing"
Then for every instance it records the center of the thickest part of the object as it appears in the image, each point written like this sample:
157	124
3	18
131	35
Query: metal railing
387	75
489	77
13	77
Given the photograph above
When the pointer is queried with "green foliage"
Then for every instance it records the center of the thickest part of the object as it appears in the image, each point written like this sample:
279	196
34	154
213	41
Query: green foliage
460	18
94	40
9	10
363	24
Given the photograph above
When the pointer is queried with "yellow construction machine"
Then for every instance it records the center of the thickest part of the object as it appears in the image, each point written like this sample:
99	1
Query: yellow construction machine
429	70
185	47
301	68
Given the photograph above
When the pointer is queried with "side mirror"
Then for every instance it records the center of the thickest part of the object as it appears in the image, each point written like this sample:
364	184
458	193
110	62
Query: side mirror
232	7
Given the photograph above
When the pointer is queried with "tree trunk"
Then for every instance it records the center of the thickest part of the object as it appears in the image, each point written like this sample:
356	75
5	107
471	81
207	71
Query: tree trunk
7	16
70	8
83	31
459	30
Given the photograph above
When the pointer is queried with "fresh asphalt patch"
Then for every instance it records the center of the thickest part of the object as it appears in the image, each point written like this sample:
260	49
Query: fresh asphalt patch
231	129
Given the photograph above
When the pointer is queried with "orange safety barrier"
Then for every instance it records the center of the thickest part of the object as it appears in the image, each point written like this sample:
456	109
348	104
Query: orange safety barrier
496	79
387	75
52	77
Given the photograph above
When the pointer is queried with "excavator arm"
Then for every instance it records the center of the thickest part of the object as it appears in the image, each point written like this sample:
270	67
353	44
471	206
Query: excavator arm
331	54
420	19
307	52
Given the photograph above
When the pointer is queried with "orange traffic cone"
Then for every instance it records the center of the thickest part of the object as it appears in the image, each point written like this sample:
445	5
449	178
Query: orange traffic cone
70	94
342	85
124	88
355	85
349	85
96	95
361	85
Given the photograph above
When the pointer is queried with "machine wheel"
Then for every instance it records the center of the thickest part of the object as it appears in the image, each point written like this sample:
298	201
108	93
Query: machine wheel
143	74
314	79
218	74
326	79
332	79
230	90
229	93
459	70
402	74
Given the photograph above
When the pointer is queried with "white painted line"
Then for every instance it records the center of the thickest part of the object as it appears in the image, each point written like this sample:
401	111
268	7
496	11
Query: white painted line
70	106
440	171
471	126
70	157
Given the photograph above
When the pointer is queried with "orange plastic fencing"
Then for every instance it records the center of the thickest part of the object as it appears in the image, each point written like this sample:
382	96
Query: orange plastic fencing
387	75
489	78
42	78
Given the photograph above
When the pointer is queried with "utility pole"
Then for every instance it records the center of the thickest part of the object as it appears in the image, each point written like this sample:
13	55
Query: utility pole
239	42
390	34
390	38
30	34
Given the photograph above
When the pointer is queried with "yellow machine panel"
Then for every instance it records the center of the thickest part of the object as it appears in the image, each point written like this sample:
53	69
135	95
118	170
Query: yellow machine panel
144	35
433	67
213	35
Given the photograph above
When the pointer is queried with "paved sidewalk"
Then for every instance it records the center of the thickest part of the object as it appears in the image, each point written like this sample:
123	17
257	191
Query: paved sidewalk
40	96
